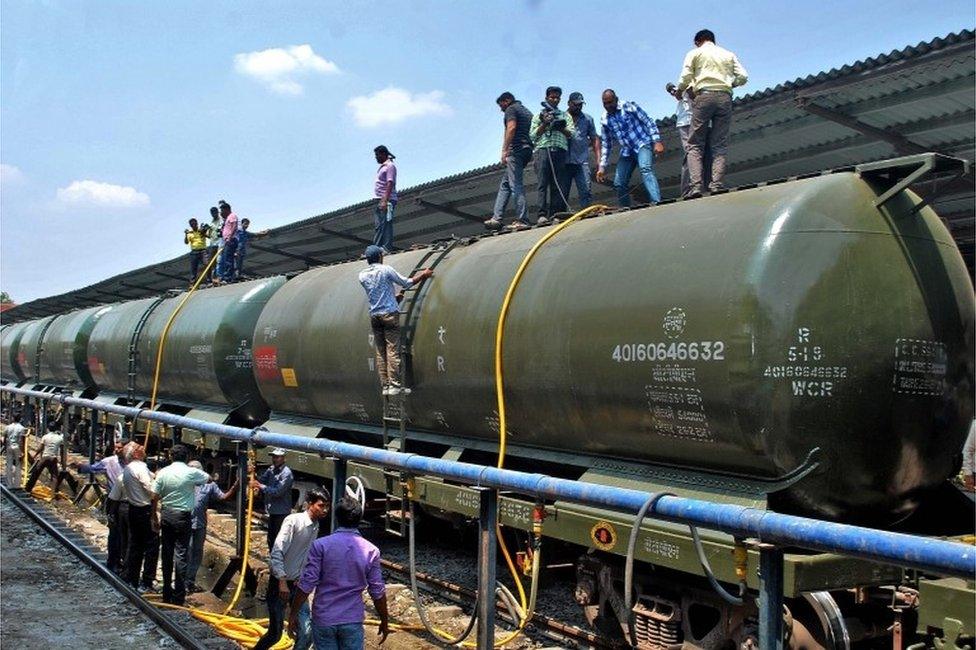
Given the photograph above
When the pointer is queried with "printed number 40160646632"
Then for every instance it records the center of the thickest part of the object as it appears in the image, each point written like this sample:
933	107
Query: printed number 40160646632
694	351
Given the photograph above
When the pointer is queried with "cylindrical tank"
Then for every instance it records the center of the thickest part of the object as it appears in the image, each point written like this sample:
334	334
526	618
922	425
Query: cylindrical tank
733	333
9	343
31	344
207	356
64	361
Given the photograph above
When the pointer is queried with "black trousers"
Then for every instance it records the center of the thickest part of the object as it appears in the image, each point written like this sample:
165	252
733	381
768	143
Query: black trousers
175	530
550	169
115	548
274	525
49	463
140	539
276	613
122	528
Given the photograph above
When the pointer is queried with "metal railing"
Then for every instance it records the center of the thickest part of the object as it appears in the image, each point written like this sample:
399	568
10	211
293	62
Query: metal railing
771	530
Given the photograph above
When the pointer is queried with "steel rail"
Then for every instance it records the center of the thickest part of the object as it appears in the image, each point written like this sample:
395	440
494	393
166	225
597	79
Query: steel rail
546	625
928	554
180	635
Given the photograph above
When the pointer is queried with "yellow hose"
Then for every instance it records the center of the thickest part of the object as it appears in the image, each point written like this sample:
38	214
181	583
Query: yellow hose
500	398
162	346
24	462
247	531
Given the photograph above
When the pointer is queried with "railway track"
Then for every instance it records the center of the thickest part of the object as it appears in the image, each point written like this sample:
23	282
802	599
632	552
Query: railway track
547	626
41	514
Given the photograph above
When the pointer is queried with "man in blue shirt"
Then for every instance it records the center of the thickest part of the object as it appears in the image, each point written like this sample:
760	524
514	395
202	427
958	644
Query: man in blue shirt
205	496
384	315
275	484
243	237
584	138
629	126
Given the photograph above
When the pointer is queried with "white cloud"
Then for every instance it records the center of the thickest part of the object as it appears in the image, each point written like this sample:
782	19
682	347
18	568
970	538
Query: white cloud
102	194
10	174
392	105
280	67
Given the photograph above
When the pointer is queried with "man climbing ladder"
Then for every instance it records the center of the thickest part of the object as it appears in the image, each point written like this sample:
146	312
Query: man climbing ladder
378	280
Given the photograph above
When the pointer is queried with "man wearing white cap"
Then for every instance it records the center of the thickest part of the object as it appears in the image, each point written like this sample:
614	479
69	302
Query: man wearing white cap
275	484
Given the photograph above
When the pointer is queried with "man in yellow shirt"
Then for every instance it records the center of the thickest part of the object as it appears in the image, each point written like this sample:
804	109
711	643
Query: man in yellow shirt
711	72
197	240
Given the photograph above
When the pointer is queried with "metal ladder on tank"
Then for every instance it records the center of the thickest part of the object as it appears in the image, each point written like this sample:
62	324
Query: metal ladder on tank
395	414
130	394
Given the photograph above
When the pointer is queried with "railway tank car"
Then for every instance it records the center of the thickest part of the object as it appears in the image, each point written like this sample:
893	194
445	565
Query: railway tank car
207	353
733	335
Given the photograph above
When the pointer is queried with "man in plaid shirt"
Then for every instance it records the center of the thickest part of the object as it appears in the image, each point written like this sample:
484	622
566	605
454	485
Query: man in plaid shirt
629	126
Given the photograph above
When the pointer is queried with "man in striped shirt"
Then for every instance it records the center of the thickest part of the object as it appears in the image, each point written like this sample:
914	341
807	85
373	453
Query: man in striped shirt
629	126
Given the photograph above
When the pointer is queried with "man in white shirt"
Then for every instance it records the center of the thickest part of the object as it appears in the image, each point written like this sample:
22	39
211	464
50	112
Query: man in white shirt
288	556
111	465
15	434
711	72
47	456
142	523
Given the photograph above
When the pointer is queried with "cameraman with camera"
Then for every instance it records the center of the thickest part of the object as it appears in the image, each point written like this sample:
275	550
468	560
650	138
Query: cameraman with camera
551	131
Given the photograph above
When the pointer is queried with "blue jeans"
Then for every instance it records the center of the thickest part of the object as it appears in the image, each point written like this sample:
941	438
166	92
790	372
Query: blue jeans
383	226
226	270
277	619
195	556
348	636
512	185
625	168
579	173
239	261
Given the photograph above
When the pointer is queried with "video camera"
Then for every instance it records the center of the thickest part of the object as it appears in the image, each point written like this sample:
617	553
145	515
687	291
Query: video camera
548	117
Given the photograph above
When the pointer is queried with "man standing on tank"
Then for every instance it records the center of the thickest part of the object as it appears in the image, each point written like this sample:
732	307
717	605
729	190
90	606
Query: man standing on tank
551	131
386	198
229	237
214	238
516	154
275	484
711	72
630	127
173	491
196	239
584	139
378	281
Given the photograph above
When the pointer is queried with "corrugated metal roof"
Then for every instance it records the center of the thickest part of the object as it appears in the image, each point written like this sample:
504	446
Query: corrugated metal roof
923	95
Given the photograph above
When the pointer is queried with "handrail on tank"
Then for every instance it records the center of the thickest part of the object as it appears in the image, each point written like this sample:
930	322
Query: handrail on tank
937	556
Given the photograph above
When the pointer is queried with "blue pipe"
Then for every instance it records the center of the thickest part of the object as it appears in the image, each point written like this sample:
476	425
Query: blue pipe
924	553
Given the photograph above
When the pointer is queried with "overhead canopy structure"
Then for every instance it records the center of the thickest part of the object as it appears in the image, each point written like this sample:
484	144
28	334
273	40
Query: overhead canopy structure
917	99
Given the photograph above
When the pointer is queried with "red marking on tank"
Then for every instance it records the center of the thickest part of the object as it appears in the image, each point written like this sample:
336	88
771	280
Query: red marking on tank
266	363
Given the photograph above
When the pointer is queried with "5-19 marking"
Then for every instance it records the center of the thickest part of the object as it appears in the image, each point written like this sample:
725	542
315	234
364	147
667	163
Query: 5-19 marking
681	351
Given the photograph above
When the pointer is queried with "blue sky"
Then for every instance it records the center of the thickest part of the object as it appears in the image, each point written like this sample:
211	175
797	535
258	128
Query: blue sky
120	120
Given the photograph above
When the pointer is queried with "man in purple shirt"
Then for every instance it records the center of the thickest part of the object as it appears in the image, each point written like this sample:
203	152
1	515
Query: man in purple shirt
386	196
339	567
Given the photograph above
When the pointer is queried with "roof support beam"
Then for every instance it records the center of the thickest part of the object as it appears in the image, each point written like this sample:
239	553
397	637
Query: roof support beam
449	209
141	287
170	275
345	235
901	144
294	256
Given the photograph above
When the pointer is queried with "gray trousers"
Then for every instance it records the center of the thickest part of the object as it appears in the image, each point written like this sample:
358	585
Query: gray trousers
717	109
684	132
